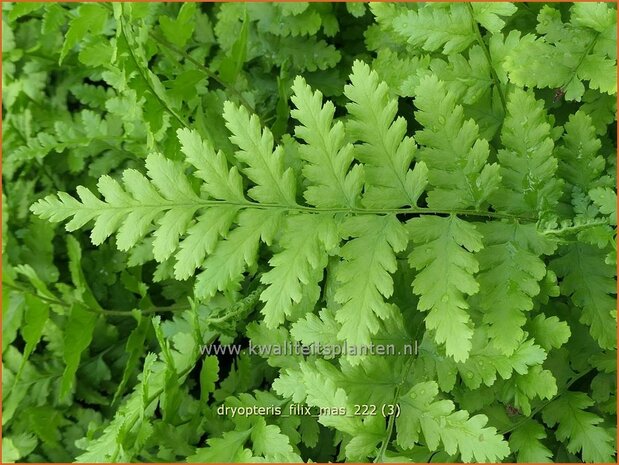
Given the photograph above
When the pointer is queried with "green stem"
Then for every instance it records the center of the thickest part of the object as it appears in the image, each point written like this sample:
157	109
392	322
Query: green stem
582	58
127	313
343	210
38	296
144	75
482	44
191	59
204	69
573	229
391	422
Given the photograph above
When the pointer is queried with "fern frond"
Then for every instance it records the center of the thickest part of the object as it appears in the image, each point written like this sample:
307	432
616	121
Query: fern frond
549	332
229	448
444	258
267	441
522	389
232	256
579	162
382	35
592	286
131	210
490	14
420	250
526	442
84	135
449	26
333	183
170	180
439	422
580	428
468	77
485	366
459	175
568	54
386	151
282	20
605	199
432	27
292	50
364	274
486	362
264	165
402	74
220	182
511	266
202	238
299	266
527	163
135	414
271	443
316	384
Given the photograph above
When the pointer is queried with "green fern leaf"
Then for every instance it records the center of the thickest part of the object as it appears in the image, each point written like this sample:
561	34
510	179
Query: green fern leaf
527	443
469	79
527	165
568	54
265	167
315	383
364	275
91	18
179	30
606	200
269	441
230	448
434	26
202	238
401	74
439	423
489	14
78	336
455	155
580	428
332	182
591	284
446	265
486	362
421	249
224	268
385	150
300	264
484	365
511	267
220	182
284	21
291	50
549	332
521	389
167	197
579	163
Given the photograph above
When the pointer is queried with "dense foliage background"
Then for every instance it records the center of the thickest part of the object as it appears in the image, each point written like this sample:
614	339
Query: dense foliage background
482	173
